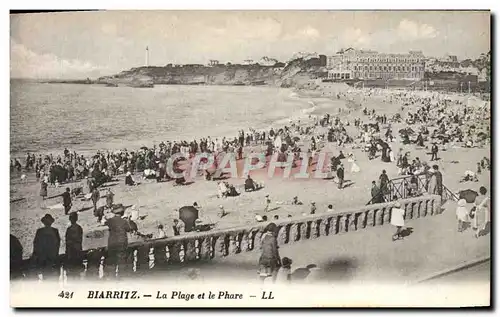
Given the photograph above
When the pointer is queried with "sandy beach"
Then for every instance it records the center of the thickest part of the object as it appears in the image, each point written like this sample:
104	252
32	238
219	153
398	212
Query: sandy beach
158	201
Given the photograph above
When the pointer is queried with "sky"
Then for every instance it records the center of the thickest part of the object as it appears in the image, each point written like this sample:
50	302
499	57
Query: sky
92	44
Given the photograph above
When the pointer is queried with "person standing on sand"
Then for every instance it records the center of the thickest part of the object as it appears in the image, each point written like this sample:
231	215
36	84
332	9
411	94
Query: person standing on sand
46	248
67	201
340	175
96	195
43	189
74	238
313	208
434	152
268	204
109	198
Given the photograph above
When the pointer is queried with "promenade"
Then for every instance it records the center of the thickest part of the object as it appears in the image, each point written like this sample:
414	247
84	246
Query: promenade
363	256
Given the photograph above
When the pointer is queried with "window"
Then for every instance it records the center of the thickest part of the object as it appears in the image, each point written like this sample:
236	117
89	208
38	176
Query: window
347	76
371	67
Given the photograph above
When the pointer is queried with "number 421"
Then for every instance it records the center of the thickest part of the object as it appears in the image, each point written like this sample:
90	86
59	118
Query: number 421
65	295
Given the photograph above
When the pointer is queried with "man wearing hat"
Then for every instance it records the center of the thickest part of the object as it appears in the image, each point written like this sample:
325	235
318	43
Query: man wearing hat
46	248
397	220
67	201
434	152
117	241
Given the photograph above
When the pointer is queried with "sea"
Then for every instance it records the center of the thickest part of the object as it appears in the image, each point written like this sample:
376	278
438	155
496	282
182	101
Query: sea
46	117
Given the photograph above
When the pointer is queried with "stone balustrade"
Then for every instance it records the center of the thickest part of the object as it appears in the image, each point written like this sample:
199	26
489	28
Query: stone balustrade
168	253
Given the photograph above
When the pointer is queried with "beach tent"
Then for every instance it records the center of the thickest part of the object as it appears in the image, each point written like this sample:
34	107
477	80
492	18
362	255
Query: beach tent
188	214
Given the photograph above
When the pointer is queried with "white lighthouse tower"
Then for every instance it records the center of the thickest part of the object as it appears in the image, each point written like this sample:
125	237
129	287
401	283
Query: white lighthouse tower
147	56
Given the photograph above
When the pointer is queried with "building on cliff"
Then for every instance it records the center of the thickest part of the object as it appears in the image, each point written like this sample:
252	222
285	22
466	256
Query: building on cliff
367	64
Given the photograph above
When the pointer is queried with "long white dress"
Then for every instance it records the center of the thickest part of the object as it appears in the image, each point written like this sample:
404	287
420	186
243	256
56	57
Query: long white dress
354	167
391	156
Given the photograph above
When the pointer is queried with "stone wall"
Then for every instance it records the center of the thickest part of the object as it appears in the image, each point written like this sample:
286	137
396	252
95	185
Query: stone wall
171	252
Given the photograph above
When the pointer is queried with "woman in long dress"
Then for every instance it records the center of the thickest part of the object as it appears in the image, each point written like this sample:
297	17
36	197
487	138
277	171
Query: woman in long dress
482	204
391	155
269	261
354	167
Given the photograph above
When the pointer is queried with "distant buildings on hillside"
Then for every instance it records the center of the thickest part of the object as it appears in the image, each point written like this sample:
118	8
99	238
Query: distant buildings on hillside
367	64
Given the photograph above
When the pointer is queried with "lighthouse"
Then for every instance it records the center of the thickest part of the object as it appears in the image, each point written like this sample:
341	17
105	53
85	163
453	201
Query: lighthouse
147	56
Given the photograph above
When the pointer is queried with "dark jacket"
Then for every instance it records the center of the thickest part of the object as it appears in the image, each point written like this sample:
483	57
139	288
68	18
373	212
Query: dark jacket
118	228
340	172
74	238
66	198
46	246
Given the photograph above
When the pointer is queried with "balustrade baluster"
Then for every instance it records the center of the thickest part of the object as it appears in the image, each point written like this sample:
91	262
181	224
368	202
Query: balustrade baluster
160	255
190	250
205	248
315	229
142	262
304	230
379	216
282	235
174	251
370	218
295	232
233	244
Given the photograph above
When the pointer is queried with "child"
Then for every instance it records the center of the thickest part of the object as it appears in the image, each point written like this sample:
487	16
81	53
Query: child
268	203
284	274
462	215
161	232
397	220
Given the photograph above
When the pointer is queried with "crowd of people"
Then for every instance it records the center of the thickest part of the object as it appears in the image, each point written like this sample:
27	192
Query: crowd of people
431	122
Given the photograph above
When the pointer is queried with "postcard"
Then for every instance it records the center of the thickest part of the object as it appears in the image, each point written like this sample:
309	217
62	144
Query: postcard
250	159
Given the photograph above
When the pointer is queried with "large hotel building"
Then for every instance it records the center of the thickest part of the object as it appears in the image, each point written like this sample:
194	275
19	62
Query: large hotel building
363	64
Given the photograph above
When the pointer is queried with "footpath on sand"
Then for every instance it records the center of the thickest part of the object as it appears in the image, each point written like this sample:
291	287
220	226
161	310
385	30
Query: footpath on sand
368	255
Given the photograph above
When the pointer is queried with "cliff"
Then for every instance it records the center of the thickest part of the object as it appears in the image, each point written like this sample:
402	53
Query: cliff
294	72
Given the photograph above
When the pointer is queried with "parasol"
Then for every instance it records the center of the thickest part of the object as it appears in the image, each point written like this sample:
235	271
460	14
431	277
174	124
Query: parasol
469	195
188	214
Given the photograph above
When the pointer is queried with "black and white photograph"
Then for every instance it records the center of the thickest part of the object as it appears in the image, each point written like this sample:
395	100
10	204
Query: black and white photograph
251	158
